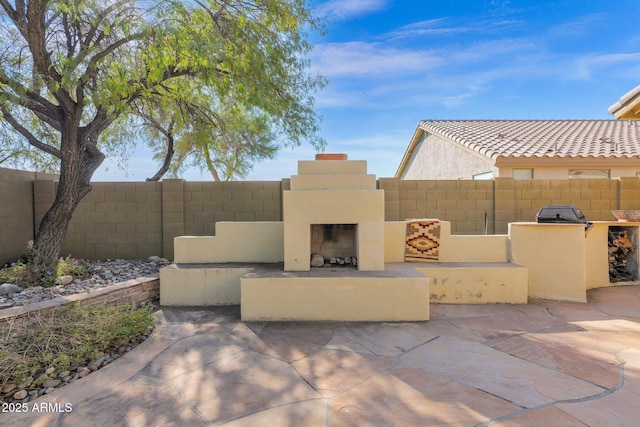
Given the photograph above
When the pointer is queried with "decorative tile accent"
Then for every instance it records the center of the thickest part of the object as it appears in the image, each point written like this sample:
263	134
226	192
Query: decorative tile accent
422	240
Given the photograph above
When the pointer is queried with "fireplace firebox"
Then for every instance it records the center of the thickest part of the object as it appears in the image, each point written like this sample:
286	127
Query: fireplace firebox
337	243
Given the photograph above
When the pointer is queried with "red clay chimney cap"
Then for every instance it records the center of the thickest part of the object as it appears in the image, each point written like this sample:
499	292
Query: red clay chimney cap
331	156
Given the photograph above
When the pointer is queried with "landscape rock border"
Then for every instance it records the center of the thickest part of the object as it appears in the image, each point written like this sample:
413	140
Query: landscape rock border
136	292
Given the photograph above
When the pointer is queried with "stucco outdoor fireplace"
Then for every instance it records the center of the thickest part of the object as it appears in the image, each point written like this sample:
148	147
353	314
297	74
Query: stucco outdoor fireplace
333	208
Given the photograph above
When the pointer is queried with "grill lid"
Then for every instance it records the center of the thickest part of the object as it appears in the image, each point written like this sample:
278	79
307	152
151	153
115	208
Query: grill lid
561	215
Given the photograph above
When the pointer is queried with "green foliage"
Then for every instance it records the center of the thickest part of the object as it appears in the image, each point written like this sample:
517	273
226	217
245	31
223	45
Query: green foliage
66	338
253	95
231	76
30	270
238	63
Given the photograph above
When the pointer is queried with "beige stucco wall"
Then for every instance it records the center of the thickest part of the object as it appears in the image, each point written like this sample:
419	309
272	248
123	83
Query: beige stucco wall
394	241
333	192
555	257
478	248
453	248
334	182
476	283
435	158
335	298
332	167
234	242
201	285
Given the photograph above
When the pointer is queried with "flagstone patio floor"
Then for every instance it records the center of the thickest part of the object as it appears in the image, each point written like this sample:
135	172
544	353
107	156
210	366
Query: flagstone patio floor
546	363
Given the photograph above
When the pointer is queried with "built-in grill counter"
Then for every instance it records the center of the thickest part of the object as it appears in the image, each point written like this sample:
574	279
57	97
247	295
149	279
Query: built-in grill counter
564	260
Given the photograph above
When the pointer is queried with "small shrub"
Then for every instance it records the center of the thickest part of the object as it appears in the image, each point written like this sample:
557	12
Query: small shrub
66	338
78	268
30	271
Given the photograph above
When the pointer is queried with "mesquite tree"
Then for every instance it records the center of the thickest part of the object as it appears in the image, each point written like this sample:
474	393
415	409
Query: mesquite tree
225	140
73	72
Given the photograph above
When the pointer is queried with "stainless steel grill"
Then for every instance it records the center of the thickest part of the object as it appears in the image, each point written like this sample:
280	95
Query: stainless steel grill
561	215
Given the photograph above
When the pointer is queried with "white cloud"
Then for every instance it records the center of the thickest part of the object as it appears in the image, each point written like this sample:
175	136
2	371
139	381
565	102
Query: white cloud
334	97
377	75
448	26
576	28
347	9
425	28
588	64
362	59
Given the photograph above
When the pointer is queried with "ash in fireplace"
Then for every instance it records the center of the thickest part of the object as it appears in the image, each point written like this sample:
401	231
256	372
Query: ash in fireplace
317	260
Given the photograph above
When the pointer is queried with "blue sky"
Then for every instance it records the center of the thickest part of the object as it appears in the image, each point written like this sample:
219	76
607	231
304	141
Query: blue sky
391	64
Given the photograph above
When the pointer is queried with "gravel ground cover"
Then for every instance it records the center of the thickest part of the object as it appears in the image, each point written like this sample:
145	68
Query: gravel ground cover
106	272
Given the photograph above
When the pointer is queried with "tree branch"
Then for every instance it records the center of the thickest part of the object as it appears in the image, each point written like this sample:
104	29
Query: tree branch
28	135
13	13
42	107
167	158
91	67
101	17
210	165
35	35
98	124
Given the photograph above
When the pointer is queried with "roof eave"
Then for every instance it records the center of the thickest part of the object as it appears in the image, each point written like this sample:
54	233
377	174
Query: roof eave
628	107
409	152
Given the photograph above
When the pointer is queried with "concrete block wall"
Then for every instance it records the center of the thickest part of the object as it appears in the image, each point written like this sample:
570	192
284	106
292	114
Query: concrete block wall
115	220
504	200
206	203
520	200
172	214
462	202
139	219
628	193
16	211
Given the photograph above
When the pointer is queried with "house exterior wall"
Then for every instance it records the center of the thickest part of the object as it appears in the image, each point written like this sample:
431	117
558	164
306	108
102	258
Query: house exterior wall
554	168
435	158
439	159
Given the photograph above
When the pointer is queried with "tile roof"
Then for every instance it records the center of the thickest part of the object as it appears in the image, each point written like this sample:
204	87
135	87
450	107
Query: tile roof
541	138
628	107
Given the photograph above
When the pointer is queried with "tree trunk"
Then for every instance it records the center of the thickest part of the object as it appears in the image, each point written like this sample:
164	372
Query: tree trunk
167	160
80	159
